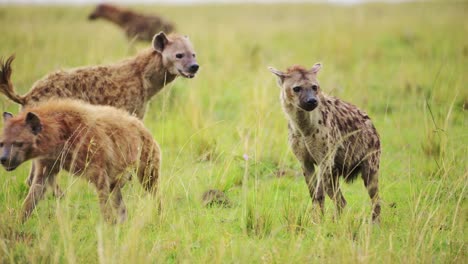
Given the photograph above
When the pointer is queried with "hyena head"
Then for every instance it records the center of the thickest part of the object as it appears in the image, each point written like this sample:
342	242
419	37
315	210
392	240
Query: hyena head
299	86
18	142
101	10
177	54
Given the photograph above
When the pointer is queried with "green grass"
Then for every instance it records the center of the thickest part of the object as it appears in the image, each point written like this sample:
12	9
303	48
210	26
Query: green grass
405	64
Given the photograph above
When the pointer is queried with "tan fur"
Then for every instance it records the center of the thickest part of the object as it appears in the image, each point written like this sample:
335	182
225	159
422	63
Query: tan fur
139	26
329	133
98	143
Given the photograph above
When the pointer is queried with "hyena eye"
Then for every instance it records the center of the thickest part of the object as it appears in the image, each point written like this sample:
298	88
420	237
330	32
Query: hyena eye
1	144
193	55
297	89
18	144
179	55
314	87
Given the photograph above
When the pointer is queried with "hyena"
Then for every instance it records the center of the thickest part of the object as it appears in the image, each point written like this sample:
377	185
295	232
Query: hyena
331	134
99	143
129	84
136	26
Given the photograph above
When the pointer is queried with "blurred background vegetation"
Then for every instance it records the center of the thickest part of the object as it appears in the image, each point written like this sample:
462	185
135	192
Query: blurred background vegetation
405	64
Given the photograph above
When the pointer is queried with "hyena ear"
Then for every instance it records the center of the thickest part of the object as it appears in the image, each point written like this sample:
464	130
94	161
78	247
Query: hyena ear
316	68
6	116
34	123
160	41
281	75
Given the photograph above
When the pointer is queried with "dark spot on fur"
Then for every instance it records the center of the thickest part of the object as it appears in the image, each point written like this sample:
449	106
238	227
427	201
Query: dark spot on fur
324	116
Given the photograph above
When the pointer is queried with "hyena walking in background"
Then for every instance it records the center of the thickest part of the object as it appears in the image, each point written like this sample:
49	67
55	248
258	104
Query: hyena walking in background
331	134
99	143
128	85
139	26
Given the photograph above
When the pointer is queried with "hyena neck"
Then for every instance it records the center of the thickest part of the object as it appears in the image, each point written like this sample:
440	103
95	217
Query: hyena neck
155	76
302	121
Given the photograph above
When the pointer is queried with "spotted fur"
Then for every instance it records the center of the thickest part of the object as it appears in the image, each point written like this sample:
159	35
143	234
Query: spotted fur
129	84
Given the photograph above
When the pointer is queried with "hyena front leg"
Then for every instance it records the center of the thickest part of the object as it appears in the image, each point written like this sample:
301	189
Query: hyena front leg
314	184
51	180
30	178
332	187
44	174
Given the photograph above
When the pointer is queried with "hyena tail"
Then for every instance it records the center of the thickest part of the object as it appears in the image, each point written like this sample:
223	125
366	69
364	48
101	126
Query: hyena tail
148	171
6	87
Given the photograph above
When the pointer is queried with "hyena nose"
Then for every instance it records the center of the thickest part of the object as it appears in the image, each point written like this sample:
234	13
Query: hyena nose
194	68
312	101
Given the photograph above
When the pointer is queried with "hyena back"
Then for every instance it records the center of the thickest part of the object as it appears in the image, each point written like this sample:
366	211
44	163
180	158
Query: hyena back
136	25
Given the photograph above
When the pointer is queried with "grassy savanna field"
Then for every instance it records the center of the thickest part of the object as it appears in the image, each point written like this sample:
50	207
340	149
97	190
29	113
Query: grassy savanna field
405	64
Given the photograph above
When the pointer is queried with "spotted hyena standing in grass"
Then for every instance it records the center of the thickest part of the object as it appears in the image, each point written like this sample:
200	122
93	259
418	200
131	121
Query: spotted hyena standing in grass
331	134
99	143
135	25
129	84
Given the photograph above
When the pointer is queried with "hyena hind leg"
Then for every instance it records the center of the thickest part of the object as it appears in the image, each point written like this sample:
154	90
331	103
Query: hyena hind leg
370	177
118	203
148	170
100	180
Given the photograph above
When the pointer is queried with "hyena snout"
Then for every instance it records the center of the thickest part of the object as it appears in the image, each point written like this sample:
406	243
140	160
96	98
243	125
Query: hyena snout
7	162
5	156
94	15
194	68
309	104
